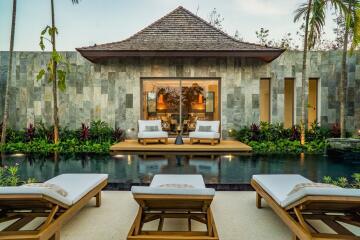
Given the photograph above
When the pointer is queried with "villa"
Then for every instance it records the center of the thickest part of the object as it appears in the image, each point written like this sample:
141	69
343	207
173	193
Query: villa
221	78
179	80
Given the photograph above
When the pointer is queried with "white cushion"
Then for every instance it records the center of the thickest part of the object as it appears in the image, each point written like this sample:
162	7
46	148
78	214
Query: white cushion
196	181
143	123
214	125
278	186
320	191
76	185
159	134
23	190
173	191
210	135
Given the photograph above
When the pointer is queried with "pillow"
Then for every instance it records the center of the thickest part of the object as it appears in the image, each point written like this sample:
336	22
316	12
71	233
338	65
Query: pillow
151	128
50	186
176	186
301	186
204	128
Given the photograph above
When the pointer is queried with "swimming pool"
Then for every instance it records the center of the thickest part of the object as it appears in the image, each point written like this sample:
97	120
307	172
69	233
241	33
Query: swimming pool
131	169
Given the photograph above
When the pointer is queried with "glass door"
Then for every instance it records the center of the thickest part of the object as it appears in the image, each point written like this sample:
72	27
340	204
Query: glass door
179	103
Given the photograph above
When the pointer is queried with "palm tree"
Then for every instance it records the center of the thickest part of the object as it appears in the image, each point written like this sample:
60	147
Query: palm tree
9	77
54	69
314	13
352	32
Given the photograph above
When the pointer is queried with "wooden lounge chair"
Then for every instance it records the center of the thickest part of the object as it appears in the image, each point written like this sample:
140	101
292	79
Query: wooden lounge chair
150	131
168	197
206	131
21	205
333	206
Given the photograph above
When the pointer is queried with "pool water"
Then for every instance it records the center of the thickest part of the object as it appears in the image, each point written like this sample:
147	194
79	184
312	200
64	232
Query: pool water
216	169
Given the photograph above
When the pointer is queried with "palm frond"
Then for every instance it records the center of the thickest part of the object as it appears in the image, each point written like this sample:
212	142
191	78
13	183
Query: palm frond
316	21
300	12
355	29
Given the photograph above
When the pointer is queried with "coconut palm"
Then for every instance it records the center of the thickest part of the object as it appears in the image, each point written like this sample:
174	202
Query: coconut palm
54	72
352	33
9	76
314	14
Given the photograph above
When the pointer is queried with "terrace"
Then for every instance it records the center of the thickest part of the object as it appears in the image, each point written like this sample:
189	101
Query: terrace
182	129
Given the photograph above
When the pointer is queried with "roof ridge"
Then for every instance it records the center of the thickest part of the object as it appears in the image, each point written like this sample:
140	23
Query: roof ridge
142	30
219	30
152	24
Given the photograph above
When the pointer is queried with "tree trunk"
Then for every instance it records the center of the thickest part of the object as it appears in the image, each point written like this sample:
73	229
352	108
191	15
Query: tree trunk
304	77
343	80
55	114
9	77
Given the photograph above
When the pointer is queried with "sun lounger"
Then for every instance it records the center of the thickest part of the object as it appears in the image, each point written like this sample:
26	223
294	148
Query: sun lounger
24	205
331	205
174	196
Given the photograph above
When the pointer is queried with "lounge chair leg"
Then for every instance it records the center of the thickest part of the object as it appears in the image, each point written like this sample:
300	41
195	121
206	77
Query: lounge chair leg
98	199
212	142
56	236
191	141
295	237
258	200
144	141
166	141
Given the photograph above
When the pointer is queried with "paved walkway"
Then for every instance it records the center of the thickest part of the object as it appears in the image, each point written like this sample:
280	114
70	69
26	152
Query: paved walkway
235	215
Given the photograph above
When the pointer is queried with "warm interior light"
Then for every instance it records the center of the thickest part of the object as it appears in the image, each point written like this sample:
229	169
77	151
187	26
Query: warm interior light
359	132
118	156
161	99
199	105
201	99
161	104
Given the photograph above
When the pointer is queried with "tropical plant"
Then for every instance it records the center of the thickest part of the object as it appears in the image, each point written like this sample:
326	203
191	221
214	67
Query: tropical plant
100	131
30	133
352	33
9	176
119	135
344	182
56	68
313	12
84	132
9	76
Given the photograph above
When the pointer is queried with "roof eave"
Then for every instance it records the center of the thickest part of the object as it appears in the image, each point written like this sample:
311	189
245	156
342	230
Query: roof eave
95	56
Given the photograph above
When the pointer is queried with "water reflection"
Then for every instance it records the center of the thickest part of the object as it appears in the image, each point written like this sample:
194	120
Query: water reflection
130	168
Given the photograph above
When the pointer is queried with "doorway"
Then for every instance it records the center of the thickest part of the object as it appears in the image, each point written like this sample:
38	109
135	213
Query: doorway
180	102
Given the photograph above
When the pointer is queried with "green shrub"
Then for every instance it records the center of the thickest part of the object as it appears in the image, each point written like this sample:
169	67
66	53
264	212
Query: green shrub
9	176
344	182
286	146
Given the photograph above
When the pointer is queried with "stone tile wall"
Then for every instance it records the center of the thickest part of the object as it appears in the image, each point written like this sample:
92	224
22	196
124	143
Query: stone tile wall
103	91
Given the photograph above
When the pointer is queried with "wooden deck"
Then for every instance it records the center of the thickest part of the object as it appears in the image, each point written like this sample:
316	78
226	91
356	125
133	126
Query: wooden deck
224	146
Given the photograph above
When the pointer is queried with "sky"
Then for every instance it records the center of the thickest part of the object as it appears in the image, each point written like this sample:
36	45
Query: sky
102	21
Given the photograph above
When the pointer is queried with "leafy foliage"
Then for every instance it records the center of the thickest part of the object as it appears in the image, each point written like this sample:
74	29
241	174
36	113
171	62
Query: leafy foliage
30	133
276	131
39	139
56	59
9	176
344	182
274	138
287	146
84	132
